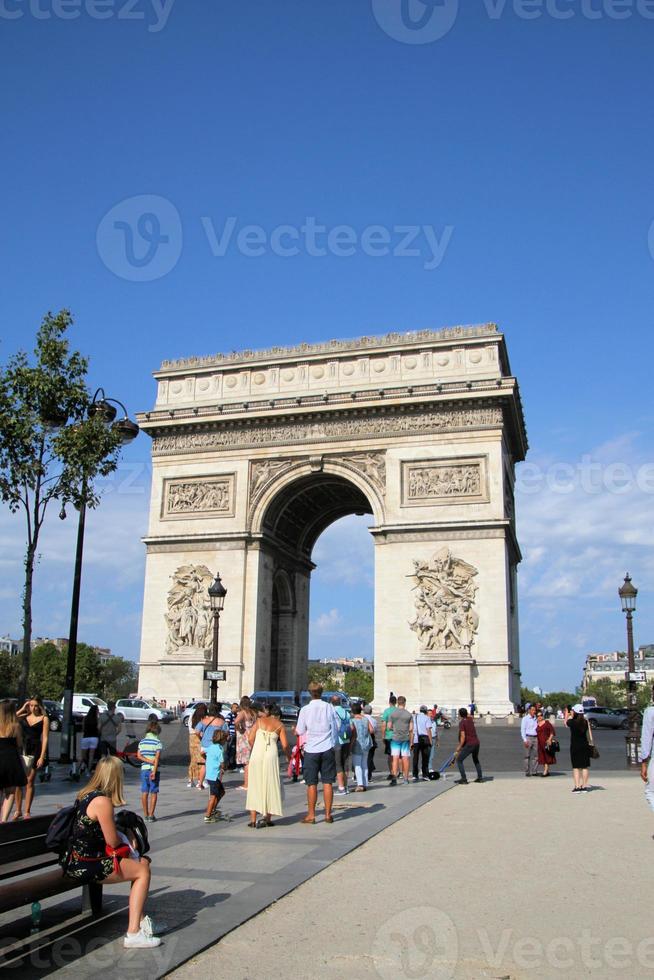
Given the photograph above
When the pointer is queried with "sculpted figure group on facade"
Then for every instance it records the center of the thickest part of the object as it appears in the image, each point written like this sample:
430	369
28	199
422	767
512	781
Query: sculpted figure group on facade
444	481
189	614
445	595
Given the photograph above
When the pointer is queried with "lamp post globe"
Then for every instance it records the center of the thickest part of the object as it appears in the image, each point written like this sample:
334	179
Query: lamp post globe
628	593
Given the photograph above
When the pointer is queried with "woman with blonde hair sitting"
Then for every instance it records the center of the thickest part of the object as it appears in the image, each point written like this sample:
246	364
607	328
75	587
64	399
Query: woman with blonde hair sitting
98	852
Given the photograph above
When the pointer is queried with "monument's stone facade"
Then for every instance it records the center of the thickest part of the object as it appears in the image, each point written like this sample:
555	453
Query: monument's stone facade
256	453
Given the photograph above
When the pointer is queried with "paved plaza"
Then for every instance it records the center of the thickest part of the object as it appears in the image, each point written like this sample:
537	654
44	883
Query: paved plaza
424	880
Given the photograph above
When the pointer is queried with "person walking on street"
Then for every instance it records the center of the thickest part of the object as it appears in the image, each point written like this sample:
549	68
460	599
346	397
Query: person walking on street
421	746
468	745
363	732
645	752
110	728
35	726
149	755
387	732
579	747
545	734
343	744
317	720
196	759
529	733
434	718
401	722
371	751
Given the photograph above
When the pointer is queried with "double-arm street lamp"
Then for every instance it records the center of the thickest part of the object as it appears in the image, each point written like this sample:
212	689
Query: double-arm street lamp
217	593
628	593
103	408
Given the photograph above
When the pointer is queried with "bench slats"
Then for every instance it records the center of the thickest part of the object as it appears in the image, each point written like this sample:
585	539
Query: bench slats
34	888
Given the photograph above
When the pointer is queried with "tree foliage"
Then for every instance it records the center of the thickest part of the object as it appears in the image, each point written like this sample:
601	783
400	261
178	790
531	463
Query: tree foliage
359	684
50	446
114	679
322	674
610	694
10	674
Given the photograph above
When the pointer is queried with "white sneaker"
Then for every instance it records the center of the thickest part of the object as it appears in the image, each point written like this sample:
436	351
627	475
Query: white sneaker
152	927
190	784
139	940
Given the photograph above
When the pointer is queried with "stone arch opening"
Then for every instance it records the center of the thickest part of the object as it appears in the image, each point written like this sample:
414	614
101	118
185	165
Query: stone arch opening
291	524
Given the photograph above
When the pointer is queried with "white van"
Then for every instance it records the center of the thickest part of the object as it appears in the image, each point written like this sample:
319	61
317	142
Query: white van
82	703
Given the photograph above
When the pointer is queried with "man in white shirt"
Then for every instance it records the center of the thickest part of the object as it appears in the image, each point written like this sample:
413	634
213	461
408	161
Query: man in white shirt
318	721
646	746
421	747
529	733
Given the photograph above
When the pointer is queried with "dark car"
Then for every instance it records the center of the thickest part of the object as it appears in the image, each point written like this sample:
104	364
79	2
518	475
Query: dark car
55	713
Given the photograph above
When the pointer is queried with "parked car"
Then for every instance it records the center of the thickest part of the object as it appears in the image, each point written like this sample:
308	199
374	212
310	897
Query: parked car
624	714
225	706
137	709
82	703
55	713
603	718
289	710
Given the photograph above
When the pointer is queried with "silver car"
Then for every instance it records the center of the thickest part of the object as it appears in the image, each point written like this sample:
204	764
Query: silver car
136	709
603	718
190	708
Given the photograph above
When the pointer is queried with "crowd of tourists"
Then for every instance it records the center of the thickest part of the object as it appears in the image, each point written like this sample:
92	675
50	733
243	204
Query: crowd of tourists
332	744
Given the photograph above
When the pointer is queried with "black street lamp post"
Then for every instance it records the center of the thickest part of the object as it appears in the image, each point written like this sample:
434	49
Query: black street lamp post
628	593
217	593
103	407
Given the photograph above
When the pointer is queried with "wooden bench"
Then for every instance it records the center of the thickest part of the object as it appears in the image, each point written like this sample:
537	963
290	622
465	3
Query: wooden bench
29	872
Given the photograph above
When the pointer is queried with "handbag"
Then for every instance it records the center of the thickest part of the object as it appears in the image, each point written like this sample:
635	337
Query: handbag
594	751
554	747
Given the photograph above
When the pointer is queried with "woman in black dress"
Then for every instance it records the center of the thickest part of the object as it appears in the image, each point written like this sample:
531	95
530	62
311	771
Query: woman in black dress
579	747
12	772
35	726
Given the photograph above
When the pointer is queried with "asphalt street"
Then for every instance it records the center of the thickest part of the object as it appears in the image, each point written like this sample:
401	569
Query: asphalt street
501	746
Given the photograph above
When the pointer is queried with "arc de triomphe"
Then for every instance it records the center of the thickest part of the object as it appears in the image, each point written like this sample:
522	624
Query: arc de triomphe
256	453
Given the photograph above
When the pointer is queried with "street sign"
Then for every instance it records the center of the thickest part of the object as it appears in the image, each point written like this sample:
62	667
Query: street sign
637	676
215	675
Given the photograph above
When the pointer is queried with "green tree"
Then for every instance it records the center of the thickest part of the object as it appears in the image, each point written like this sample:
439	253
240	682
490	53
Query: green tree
10	673
359	684
321	674
51	447
608	694
47	671
119	678
559	699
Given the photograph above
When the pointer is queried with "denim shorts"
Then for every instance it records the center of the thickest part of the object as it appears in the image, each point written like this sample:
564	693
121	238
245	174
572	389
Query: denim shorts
149	785
400	749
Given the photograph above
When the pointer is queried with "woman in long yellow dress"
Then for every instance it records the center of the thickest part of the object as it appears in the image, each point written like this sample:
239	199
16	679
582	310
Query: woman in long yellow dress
265	794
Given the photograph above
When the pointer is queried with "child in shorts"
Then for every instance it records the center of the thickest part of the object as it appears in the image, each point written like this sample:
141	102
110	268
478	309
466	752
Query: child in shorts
149	754
215	762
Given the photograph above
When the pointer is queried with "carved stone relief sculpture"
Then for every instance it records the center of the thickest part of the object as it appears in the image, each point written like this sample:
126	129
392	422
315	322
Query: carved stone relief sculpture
372	465
441	481
188	616
446	619
199	497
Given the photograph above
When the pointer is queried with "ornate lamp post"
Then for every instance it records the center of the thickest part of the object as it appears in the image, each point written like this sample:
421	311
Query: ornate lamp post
217	593
628	593
127	430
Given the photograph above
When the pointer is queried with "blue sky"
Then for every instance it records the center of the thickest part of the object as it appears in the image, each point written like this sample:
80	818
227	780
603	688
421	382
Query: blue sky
524	146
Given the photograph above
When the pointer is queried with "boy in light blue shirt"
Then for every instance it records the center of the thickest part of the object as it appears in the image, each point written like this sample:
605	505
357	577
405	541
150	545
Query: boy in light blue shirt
215	762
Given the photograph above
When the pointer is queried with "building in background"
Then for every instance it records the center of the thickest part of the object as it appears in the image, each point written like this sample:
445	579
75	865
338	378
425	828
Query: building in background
7	645
613	666
61	643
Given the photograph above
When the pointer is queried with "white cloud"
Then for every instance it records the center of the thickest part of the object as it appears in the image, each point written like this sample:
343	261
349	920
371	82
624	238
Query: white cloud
328	621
